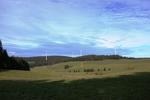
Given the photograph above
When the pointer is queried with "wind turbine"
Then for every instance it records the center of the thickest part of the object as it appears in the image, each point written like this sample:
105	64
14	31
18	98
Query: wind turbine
81	54
114	47
46	57
72	54
115	50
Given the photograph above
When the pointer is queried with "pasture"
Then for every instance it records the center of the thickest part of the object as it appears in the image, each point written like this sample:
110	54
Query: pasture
126	79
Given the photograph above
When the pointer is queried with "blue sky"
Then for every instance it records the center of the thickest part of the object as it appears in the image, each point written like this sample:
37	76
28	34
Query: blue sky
64	27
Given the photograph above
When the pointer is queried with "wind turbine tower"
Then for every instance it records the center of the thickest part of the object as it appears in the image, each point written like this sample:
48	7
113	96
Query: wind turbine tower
81	54
109	41
115	51
46	57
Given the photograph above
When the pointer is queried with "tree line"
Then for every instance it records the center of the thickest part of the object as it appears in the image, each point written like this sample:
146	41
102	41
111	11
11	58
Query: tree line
40	60
7	62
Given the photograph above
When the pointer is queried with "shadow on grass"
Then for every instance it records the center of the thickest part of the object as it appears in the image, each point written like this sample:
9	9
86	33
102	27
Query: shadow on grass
3	70
127	87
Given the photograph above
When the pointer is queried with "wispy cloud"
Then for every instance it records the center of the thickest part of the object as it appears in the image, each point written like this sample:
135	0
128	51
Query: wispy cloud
99	26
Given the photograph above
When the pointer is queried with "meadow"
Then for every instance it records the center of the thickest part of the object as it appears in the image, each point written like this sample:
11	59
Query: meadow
125	79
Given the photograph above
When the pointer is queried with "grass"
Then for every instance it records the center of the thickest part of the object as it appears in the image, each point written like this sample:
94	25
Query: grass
127	80
128	87
58	72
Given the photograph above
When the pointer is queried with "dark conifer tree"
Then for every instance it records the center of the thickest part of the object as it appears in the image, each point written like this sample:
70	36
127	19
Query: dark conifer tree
7	62
1	55
1	47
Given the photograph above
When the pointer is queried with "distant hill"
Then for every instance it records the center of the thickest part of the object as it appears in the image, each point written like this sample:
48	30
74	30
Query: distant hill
96	57
41	60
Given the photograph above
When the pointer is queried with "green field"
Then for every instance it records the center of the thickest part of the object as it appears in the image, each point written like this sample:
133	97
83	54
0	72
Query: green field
126	79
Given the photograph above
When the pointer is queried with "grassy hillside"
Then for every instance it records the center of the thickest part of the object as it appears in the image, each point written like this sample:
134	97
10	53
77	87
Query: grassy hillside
76	70
41	60
128	79
129	87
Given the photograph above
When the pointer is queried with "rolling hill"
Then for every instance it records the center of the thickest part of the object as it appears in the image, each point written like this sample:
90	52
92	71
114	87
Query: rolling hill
41	60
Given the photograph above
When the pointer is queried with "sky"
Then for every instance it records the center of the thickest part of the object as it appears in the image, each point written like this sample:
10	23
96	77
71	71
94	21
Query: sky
67	27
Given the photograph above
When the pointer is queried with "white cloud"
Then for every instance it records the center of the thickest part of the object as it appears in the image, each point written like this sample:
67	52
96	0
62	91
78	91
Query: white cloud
59	42
21	44
126	41
11	53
